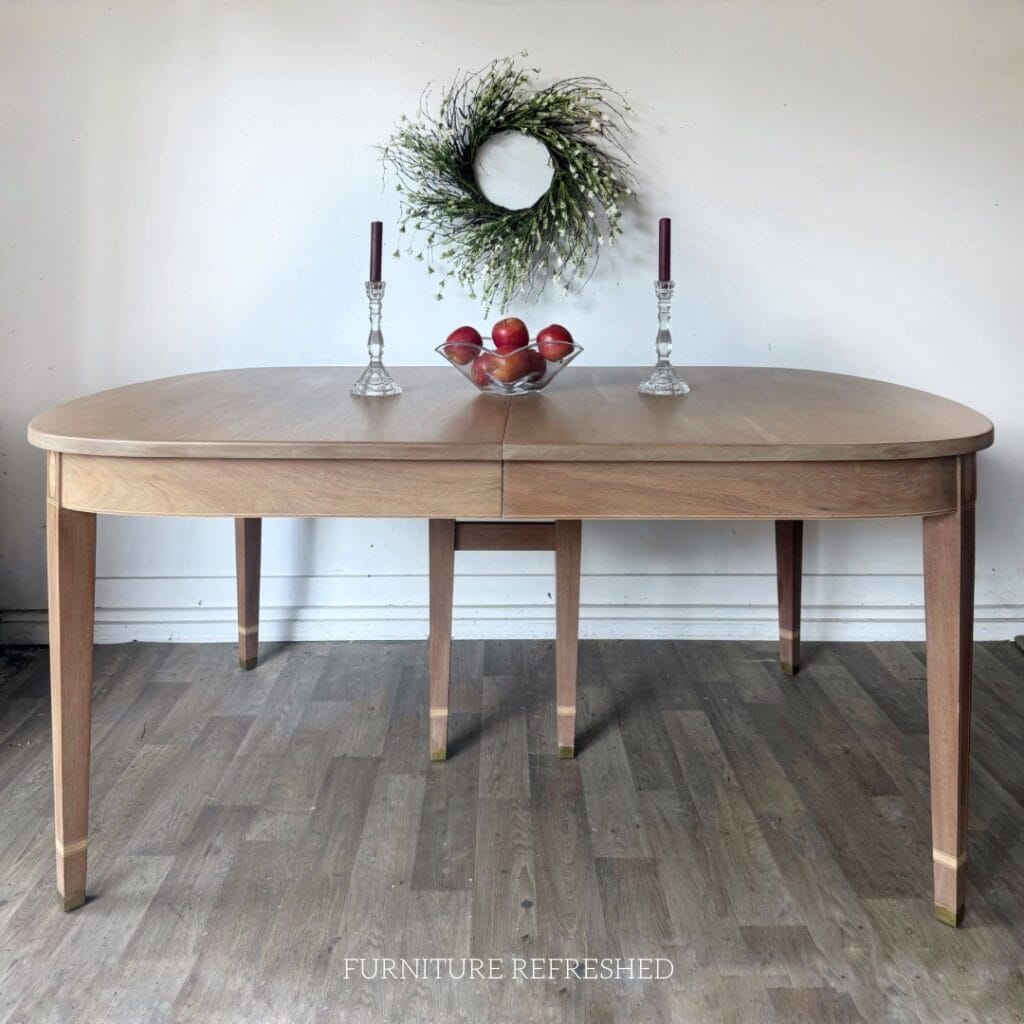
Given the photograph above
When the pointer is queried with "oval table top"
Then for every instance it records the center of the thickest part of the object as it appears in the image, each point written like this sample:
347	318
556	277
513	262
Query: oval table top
732	414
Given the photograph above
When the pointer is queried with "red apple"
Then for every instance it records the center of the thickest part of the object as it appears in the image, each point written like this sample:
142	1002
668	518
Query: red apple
463	345
510	334
538	364
483	369
511	366
554	343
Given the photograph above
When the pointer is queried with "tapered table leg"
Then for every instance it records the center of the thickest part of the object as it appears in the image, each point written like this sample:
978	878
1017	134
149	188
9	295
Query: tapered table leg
71	572
442	583
248	537
789	543
567	625
949	617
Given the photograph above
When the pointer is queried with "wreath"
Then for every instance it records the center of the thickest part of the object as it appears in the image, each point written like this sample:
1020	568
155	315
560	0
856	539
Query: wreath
493	252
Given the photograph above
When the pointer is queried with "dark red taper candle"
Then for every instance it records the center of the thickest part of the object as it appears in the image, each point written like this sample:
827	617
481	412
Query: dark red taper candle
376	235
664	249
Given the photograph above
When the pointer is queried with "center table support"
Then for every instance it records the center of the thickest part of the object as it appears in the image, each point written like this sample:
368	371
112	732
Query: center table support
747	443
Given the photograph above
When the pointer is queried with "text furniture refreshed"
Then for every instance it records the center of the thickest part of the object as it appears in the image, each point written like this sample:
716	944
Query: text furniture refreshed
747	443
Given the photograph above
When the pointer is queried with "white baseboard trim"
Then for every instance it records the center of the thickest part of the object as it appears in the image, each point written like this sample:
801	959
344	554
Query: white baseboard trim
514	606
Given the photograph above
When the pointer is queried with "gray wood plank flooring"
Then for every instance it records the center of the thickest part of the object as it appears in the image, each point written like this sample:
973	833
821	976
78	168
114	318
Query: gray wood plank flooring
768	836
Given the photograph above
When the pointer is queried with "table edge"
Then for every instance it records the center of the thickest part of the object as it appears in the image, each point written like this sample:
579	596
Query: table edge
383	451
506	452
828	452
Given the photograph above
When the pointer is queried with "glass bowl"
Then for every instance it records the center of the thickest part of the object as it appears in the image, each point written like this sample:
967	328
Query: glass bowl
528	371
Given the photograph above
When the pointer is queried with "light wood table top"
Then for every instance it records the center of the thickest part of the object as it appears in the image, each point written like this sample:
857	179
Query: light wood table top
733	414
295	412
738	414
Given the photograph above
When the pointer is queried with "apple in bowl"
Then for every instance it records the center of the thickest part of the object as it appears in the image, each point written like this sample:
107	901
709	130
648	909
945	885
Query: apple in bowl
481	373
554	343
508	367
510	334
538	365
463	345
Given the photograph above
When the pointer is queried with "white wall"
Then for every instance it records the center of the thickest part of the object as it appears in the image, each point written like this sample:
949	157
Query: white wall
186	186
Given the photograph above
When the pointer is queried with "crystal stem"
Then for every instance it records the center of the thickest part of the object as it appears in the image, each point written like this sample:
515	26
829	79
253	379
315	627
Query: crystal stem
375	342
663	343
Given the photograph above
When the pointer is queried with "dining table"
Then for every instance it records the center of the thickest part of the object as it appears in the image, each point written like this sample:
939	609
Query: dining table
747	443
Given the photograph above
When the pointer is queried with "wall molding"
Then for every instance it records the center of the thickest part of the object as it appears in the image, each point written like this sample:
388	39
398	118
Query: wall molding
393	607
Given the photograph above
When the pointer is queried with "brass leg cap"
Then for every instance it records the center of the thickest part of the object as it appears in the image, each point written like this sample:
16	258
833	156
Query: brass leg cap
947	915
566	751
439	755
789	668
247	663
71	900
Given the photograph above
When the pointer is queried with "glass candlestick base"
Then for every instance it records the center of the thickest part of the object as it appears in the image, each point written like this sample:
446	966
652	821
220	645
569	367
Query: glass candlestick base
375	381
663	379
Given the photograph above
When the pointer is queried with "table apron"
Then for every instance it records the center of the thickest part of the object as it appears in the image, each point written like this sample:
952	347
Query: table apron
513	490
278	487
736	490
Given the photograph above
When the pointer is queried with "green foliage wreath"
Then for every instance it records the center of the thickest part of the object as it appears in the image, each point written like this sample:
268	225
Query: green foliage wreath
495	253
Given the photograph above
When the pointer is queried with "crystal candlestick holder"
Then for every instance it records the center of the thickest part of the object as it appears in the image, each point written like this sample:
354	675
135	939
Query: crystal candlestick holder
375	381
663	379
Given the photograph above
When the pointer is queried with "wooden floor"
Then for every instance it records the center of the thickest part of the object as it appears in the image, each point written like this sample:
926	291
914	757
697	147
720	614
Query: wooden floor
767	835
